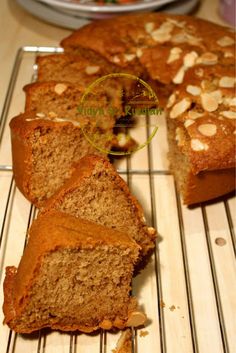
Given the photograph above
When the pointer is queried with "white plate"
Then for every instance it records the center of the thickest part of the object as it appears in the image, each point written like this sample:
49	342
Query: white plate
77	19
112	8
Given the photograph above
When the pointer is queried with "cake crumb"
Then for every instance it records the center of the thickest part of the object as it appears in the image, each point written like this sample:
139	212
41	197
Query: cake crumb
162	304
124	344
143	333
220	241
172	307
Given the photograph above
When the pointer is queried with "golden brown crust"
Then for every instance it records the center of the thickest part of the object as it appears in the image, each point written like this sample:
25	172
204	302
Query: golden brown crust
48	234
208	185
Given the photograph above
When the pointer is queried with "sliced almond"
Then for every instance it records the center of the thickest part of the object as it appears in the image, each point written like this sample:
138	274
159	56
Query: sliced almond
179	38
225	41
207	59
125	335
136	318
129	57
116	59
179	77
149	27
139	52
171	100
190	59
194	90
174	54
227	82
91	70
163	33
217	94
228	54
192	40
209	102
198	145
229	114
160	37
60	88
179	108
188	123
230	101
40	115
194	115
207	129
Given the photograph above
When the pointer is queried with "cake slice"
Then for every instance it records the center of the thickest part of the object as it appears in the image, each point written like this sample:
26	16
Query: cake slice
74	275
44	148
96	192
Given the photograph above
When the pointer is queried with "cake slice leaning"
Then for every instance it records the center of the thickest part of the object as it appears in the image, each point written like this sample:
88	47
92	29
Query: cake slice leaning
96	192
74	275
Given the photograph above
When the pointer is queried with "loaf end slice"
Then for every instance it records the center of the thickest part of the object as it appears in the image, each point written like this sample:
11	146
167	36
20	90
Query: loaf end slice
74	275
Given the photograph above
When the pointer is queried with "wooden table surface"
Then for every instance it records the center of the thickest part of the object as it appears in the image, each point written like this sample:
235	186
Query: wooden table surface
19	28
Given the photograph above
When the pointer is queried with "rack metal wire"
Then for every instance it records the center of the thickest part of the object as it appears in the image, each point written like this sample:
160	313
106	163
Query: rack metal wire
188	288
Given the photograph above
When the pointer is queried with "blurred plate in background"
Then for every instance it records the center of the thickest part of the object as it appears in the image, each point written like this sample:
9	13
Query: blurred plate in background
62	14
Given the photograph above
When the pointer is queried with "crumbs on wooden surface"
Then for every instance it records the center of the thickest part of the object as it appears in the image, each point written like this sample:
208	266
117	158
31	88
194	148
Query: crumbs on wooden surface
220	241
143	333
172	307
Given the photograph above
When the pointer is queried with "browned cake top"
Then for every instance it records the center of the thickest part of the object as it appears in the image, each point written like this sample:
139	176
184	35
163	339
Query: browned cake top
194	57
133	34
204	109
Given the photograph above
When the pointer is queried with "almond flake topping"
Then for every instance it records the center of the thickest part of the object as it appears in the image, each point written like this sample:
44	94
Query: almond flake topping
40	115
207	129
227	82
91	70
163	33
149	27
198	145
194	115
179	108
209	102
139	52
188	123
129	57
228	54
225	41
60	88
230	101
190	59
116	59
207	59
229	114
136	318
171	100
194	90
174	54
179	77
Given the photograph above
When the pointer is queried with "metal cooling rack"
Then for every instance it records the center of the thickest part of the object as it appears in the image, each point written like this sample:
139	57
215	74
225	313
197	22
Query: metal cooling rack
187	289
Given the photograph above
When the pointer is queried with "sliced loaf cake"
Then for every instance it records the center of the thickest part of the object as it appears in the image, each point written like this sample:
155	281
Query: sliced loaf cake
74	275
